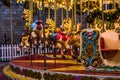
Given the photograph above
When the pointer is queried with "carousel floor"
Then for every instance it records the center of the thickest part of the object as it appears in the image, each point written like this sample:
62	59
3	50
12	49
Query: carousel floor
57	65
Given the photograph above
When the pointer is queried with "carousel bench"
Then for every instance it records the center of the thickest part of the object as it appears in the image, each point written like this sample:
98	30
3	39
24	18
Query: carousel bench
107	53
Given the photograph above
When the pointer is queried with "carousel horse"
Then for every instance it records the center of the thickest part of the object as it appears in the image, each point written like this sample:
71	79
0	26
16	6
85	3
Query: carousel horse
36	32
25	41
74	41
66	38
49	28
32	36
62	43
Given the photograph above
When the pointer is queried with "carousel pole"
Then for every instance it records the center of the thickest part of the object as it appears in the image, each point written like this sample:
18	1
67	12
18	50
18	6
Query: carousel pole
81	12
62	15
31	10
103	29
43	20
118	3
72	17
88	25
49	10
11	30
67	14
31	20
55	19
38	11
75	19
114	6
55	14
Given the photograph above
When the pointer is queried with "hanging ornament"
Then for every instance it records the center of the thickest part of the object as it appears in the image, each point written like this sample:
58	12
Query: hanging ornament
20	1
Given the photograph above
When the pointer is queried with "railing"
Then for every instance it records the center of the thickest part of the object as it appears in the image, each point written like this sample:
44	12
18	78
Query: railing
6	55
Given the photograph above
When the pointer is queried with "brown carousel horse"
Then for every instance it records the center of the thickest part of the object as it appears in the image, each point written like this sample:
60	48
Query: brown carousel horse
67	39
31	37
62	43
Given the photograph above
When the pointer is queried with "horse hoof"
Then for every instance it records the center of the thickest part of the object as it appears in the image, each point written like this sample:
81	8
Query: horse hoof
63	57
74	57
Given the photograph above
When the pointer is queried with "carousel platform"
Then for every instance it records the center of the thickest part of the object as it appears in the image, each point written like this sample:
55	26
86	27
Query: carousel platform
32	67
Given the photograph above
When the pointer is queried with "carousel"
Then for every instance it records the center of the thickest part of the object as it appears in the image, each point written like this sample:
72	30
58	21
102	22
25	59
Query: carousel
76	40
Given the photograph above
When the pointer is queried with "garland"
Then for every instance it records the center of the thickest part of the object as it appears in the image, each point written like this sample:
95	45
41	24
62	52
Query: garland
55	76
109	17
48	76
94	14
26	72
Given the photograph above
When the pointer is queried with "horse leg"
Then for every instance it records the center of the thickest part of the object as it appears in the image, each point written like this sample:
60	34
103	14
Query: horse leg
67	46
20	47
60	46
62	54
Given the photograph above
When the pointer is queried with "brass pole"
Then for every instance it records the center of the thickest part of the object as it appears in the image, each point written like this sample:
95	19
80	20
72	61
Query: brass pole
72	17
103	29
119	4
67	9
75	19
81	13
31	20
49	11
88	25
114	6
11	30
31	10
55	14
43	21
61	14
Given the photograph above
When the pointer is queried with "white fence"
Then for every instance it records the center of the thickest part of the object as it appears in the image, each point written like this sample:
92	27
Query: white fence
6	55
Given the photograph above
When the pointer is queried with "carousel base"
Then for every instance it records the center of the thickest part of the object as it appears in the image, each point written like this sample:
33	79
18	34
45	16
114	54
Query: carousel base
38	67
